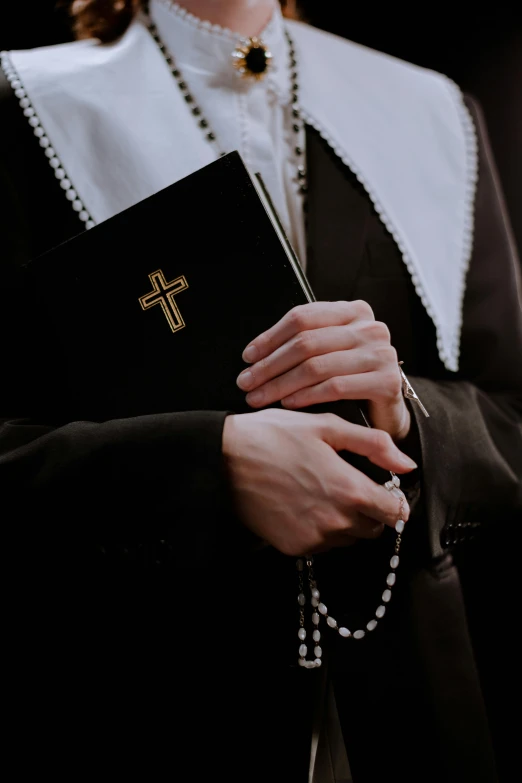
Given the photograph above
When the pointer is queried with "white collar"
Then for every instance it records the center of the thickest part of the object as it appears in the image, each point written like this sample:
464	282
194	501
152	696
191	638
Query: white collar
403	130
206	48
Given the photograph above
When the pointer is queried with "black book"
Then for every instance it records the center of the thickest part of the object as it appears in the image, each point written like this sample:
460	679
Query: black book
150	311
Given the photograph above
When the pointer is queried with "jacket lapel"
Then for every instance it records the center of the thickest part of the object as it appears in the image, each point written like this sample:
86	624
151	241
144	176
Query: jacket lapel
337	222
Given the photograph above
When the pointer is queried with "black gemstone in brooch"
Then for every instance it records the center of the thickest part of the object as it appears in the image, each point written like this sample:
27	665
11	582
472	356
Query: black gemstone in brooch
251	59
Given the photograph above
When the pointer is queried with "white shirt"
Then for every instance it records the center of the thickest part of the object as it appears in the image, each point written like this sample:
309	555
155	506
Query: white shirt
253	117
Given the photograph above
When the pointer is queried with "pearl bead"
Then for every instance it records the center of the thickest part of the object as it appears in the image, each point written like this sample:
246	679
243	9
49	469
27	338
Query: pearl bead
310	664
318	662
89	224
359	635
323	609
34	122
314	602
20	93
303	649
49	152
390	579
380	611
77	205
315	618
301	600
331	622
318	651
316	593
39	132
388	485
302	662
394	562
29	111
396	481
54	163
70	195
372	625
386	596
59	174
44	142
84	215
316	635
344	632
65	184
399	526
25	103
302	634
16	84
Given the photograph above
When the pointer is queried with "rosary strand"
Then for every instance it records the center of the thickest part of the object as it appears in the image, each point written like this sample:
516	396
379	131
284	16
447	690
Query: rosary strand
320	610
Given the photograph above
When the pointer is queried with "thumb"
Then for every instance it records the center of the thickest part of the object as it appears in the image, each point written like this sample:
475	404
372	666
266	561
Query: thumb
377	445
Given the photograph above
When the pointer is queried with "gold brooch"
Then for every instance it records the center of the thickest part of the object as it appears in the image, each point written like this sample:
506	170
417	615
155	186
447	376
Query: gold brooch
251	58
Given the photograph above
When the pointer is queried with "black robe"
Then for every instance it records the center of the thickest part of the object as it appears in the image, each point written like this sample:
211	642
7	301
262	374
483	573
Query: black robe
146	634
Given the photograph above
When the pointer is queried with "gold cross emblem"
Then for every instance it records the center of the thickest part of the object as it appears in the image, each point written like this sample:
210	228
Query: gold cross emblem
163	293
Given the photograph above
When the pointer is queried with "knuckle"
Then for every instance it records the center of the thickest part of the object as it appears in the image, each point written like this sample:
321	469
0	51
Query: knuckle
329	420
388	357
344	309
363	309
336	387
314	367
304	344
382	332
390	385
381	441
375	331
298	317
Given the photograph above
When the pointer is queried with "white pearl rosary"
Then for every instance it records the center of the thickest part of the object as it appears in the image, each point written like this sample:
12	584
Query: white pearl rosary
320	610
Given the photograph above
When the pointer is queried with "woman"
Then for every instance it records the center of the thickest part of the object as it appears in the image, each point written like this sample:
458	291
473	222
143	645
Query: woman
151	622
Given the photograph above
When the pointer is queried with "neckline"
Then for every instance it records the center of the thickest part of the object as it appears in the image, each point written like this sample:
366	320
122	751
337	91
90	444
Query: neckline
216	30
204	50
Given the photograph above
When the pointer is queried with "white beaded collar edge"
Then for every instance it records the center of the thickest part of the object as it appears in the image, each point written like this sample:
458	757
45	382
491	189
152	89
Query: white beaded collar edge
417	163
34	121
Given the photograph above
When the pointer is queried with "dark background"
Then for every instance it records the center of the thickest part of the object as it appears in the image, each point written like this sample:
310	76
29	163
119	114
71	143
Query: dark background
480	50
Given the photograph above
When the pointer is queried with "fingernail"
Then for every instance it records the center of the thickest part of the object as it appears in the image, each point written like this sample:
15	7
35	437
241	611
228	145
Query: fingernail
407	462
245	380
250	353
255	398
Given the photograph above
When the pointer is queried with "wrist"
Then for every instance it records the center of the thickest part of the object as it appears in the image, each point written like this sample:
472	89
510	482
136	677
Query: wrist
229	437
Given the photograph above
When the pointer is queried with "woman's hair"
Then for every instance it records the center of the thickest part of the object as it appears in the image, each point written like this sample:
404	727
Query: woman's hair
108	19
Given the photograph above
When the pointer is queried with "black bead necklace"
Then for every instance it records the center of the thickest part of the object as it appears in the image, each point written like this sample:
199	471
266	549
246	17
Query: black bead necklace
210	136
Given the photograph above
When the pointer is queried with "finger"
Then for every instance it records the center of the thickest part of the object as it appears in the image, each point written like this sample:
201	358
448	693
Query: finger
379	504
377	445
377	386
303	346
315	315
361	526
338	541
373	502
312	372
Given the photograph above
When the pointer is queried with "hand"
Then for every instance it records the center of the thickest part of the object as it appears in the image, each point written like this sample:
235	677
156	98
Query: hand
326	351
294	491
